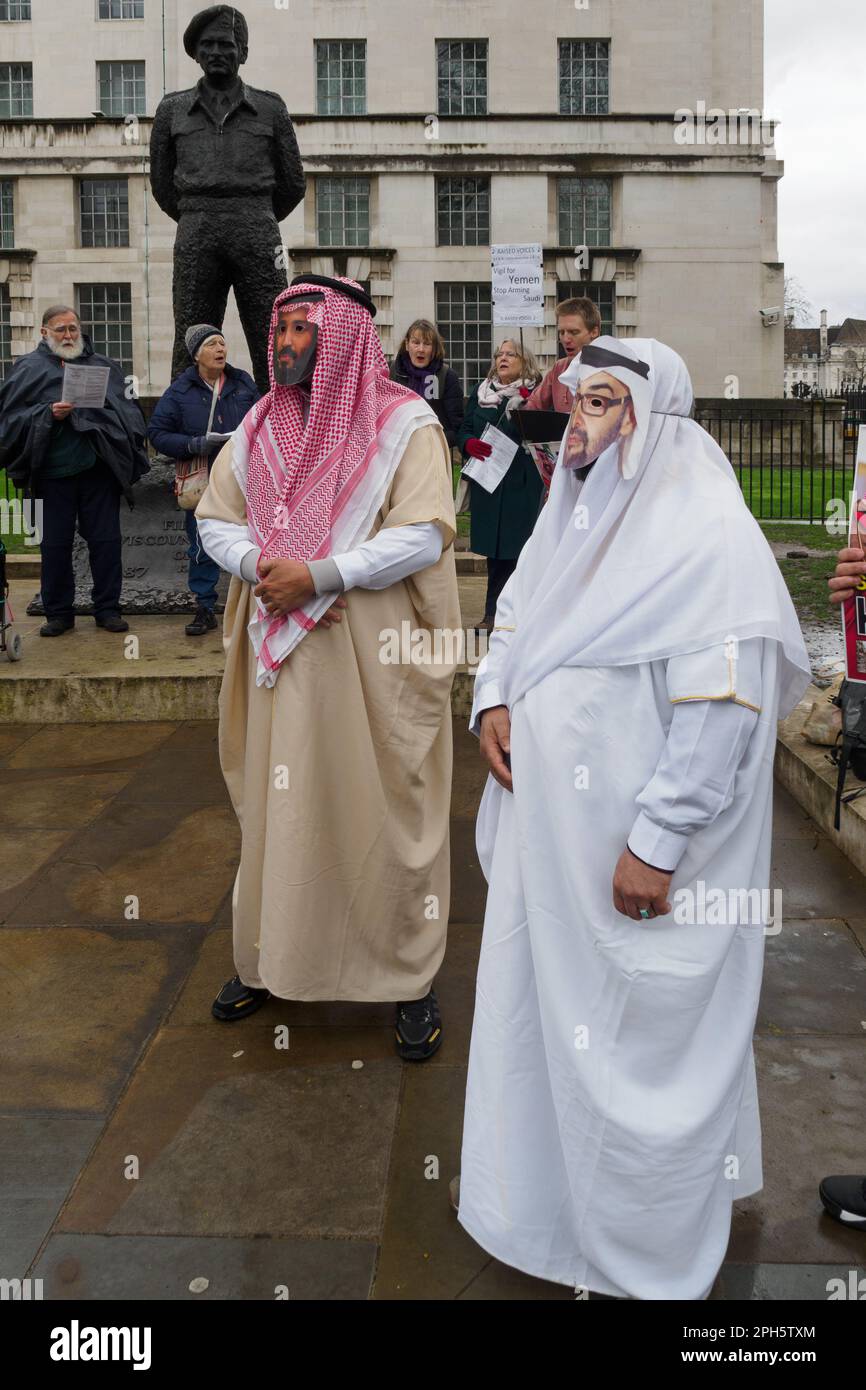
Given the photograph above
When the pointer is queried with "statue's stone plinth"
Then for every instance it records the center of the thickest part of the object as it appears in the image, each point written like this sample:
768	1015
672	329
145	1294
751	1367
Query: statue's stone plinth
154	553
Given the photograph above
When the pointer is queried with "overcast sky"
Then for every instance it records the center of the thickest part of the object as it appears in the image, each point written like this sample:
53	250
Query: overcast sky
815	75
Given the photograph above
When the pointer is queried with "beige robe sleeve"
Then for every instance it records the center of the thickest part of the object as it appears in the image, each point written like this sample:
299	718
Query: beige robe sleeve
422	491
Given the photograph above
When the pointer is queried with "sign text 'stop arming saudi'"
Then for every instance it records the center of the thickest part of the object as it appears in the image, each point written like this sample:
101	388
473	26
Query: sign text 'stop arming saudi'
518	286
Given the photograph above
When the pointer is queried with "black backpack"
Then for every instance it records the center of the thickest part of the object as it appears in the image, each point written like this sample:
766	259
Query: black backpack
850	749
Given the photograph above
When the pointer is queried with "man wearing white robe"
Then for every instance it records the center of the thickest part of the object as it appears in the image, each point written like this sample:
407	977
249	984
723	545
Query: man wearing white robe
643	652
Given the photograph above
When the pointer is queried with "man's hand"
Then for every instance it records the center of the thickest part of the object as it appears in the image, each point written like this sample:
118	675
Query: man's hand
60	409
636	885
333	614
286	585
851	566
496	744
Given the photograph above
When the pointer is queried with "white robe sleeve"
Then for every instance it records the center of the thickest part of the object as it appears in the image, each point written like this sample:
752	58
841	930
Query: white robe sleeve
393	554
487	677
716	695
226	543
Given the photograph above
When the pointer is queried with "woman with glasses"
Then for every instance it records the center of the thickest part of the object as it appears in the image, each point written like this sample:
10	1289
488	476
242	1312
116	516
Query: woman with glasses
501	520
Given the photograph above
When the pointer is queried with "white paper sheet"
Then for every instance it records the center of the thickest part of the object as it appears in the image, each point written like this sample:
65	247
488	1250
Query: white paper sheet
85	385
489	472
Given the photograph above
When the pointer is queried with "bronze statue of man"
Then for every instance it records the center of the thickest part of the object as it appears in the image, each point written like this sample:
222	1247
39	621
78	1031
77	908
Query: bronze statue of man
224	164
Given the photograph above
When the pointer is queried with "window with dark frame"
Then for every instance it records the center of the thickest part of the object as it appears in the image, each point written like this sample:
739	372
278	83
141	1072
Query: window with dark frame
120	9
601	292
14	9
341	77
343	212
103	211
461	72
106	314
5	331
16	89
583	211
462	212
7	214
584	77
120	89
464	317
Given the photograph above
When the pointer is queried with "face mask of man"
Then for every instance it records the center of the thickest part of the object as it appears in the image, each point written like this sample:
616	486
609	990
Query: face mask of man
600	415
295	343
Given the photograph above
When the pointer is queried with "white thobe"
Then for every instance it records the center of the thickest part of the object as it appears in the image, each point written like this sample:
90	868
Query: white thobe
611	1110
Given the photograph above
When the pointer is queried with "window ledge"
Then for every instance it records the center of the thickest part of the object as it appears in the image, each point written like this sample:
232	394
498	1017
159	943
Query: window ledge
629	253
384	252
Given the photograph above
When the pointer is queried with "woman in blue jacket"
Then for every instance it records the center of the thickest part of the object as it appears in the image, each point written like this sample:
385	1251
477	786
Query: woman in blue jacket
179	428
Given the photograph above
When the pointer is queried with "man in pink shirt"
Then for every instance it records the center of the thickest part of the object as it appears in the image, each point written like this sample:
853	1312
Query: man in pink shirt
577	323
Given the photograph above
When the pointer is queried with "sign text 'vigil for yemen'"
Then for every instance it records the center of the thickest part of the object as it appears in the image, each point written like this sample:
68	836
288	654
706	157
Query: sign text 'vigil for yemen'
517	284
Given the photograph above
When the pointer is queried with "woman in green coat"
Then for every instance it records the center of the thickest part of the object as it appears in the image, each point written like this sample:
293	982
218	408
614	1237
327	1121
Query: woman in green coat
502	520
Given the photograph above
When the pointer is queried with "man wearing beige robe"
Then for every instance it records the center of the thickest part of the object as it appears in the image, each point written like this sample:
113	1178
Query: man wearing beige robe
337	759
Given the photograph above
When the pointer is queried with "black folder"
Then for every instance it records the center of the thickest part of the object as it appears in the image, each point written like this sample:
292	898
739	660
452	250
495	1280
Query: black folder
541	426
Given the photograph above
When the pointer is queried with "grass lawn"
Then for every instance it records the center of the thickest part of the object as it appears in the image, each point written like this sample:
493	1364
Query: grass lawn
807	585
815	537
15	545
807	579
786	492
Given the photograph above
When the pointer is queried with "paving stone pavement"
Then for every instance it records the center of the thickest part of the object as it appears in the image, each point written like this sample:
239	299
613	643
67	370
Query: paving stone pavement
143	1145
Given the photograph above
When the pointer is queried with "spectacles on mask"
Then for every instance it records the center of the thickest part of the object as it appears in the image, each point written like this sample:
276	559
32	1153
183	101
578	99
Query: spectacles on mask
591	404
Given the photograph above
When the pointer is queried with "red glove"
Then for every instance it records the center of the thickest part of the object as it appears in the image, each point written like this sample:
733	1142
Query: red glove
477	449
524	391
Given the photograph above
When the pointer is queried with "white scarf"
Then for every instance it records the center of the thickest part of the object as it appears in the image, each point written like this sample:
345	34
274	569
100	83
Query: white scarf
655	555
492	393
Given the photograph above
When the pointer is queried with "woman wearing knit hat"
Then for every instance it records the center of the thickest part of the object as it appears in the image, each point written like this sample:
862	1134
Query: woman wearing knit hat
200	410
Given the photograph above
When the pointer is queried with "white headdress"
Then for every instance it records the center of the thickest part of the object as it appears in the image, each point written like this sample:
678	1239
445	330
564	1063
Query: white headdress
657	554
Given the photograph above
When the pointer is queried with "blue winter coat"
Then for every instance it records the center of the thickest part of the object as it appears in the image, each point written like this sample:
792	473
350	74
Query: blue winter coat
182	412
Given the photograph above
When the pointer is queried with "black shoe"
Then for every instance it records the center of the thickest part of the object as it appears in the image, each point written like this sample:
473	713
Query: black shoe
845	1199
419	1028
112	622
204	620
55	626
237	1000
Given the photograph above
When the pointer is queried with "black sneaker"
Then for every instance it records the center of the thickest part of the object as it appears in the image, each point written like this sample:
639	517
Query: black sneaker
419	1028
112	622
203	620
55	627
845	1199
237	1000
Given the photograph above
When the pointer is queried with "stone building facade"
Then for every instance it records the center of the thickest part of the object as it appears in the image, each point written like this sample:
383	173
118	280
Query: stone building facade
625	138
827	360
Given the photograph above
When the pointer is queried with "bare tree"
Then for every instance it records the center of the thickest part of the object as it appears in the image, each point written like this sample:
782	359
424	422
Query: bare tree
797	303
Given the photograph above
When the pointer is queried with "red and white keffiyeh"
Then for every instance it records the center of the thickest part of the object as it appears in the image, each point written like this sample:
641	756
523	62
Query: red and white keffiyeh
314	489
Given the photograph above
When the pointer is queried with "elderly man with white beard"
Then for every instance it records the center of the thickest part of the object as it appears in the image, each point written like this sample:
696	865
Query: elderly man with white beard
642	654
78	460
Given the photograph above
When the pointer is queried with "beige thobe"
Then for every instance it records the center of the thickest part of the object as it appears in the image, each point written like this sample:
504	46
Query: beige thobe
340	773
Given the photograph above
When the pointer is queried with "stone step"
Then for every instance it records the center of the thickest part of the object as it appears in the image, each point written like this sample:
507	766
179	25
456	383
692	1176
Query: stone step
23	566
89	676
470	563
